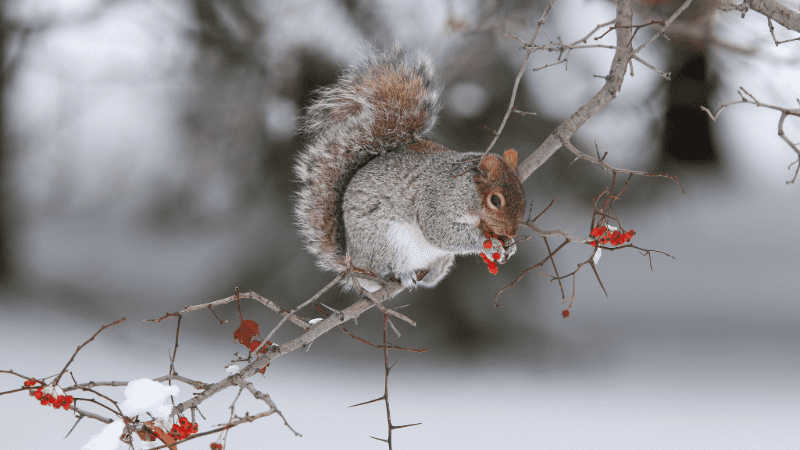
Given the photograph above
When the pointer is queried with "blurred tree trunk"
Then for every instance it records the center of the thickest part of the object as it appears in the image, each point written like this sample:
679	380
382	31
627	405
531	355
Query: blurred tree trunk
687	138
687	133
5	197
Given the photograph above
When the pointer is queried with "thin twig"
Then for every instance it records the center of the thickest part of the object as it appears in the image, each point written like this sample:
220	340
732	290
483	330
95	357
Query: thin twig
747	97
55	382
298	308
528	53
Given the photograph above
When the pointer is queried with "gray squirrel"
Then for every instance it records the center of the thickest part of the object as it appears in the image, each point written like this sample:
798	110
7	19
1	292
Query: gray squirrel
377	198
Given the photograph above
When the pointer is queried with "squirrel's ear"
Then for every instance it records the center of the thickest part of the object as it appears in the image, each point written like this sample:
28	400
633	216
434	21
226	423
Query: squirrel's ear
510	156
488	164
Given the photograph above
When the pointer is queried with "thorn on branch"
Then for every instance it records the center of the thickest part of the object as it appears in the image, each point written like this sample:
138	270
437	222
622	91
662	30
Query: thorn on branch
522	113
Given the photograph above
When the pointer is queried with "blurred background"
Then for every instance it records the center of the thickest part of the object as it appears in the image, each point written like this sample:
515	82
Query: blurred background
146	153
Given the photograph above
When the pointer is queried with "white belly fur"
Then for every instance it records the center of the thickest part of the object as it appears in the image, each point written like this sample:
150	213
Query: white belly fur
412	247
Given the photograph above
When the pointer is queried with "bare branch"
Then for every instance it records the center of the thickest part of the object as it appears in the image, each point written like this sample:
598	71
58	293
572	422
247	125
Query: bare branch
351	312
55	382
666	75
251	295
298	308
606	94
265	398
772	9
747	97
521	72
774	38
666	25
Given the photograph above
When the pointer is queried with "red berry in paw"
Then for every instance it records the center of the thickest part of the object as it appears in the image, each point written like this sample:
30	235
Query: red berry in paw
487	244
496	256
492	268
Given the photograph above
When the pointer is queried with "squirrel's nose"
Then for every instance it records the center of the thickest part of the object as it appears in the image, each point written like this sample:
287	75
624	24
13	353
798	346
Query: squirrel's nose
510	231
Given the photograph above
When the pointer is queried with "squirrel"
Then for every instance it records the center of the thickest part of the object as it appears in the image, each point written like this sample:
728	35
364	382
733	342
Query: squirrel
378	198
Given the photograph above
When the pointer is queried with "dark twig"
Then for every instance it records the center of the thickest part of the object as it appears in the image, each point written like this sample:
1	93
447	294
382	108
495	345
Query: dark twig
55	382
553	260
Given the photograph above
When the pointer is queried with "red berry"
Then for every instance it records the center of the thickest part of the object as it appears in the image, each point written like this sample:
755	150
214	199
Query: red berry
565	313
492	268
487	244
496	256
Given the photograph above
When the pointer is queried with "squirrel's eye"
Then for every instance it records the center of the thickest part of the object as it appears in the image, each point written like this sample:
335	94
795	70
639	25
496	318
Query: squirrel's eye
496	200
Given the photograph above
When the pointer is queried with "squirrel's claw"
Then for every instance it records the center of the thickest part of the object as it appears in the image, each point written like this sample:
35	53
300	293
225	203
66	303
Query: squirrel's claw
409	280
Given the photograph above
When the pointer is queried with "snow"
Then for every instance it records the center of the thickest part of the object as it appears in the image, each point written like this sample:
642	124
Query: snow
145	396
108	438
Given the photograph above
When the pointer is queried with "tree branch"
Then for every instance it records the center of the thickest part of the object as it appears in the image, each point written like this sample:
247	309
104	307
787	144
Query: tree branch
606	94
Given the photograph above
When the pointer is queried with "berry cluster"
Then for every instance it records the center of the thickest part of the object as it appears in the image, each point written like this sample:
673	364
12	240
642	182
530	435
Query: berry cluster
610	236
216	446
492	265
50	395
184	430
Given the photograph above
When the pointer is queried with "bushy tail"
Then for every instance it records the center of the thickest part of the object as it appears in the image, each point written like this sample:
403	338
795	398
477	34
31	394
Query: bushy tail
382	104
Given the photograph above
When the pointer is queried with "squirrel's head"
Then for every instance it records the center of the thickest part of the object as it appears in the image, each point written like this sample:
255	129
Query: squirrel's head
500	191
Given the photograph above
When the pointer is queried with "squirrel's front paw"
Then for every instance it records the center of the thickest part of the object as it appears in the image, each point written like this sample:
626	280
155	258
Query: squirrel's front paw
495	249
408	279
